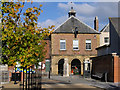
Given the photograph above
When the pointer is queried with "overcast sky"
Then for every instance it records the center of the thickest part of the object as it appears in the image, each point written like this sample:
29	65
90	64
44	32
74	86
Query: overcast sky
55	13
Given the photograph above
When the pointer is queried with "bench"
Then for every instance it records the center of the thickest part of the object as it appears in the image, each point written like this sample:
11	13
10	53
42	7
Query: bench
98	75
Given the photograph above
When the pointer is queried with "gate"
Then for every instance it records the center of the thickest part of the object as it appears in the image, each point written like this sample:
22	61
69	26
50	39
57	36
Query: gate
4	77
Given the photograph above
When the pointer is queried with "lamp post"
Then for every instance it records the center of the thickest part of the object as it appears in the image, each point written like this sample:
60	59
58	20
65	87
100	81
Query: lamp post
75	32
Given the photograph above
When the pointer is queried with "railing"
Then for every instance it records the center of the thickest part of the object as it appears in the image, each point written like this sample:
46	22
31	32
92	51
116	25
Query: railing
31	80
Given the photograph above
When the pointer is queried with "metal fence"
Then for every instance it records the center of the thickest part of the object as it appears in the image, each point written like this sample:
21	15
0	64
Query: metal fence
4	77
31	80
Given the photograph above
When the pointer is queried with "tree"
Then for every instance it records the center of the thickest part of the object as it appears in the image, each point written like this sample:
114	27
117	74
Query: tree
0	40
21	37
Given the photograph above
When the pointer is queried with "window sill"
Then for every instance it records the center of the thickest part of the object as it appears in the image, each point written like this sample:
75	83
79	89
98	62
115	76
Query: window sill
76	50
88	49
62	50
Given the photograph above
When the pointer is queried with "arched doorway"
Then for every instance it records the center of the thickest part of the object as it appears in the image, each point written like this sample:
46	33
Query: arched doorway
76	66
60	66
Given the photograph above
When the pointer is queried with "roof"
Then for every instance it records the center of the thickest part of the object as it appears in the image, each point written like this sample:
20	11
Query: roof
69	25
105	29
104	46
115	21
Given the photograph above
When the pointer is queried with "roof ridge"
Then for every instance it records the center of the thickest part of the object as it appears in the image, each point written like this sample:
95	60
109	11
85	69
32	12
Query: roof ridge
87	25
63	23
104	28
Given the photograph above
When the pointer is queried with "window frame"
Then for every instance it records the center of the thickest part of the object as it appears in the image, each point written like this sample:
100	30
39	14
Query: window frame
77	45
88	43
60	44
105	40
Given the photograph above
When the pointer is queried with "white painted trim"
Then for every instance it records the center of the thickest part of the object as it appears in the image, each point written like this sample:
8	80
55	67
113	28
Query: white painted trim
105	27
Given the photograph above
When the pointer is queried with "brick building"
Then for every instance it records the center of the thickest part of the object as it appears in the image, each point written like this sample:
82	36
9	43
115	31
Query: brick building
72	44
108	59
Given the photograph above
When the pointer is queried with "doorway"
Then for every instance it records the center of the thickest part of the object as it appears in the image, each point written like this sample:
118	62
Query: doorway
61	67
76	67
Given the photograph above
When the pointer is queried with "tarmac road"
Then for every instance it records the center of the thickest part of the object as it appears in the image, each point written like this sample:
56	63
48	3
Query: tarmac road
48	84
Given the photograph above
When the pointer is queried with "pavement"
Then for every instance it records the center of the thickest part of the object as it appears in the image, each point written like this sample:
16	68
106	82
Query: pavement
87	81
49	84
71	82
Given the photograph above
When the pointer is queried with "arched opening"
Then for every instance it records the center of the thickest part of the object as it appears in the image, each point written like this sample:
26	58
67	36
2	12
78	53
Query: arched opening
60	66
76	67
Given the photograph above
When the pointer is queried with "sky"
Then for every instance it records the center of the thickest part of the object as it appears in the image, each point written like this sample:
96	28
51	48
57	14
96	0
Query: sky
55	13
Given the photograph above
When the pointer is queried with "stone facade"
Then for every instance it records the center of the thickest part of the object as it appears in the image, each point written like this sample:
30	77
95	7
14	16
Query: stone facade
69	53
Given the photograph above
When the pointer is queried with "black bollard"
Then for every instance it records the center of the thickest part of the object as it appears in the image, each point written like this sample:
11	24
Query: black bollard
23	78
15	76
26	79
29	80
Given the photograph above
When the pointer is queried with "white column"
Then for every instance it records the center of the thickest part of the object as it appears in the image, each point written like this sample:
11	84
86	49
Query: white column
66	67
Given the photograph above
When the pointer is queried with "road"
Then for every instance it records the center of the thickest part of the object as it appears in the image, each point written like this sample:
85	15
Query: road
54	84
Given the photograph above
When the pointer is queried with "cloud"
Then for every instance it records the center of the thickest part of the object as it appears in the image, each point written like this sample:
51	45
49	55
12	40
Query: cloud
50	22
86	12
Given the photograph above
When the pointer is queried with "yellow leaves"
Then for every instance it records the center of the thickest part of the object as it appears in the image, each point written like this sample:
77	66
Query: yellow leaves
36	54
38	13
22	6
30	27
31	2
12	9
27	11
20	57
41	10
10	14
23	56
32	60
40	5
35	7
14	64
37	31
22	60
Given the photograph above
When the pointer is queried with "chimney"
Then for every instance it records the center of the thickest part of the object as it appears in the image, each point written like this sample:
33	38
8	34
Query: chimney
96	24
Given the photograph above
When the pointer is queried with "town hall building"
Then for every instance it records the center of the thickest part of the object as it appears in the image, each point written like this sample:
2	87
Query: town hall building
72	45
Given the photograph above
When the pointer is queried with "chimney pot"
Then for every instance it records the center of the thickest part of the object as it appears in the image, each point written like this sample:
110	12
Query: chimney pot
96	24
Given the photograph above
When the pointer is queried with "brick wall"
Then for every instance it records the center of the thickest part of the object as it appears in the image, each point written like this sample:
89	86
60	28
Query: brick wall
116	69
107	63
47	48
102	64
55	40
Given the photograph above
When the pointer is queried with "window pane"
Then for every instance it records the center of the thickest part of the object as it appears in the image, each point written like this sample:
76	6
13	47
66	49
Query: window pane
75	44
62	45
106	39
88	44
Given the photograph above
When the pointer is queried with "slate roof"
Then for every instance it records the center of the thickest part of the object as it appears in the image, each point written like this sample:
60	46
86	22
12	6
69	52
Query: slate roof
115	22
105	29
69	25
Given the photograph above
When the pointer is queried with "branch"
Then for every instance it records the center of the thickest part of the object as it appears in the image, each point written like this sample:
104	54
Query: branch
14	29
